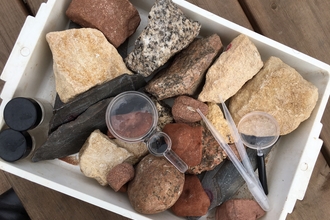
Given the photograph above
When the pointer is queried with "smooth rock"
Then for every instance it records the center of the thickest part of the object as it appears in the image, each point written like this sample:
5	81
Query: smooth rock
139	149
239	209
186	142
193	201
157	185
117	20
279	90
83	58
186	73
119	175
168	32
234	67
99	155
184	109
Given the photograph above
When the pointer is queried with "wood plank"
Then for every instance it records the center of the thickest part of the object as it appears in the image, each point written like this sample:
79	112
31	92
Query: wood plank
4	183
33	5
43	203
315	205
12	17
303	26
228	9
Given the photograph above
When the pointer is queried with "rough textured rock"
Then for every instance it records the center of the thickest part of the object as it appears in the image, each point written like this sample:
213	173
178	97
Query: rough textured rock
187	71
234	67
164	113
119	175
183	109
139	150
83	58
167	33
239	209
117	20
193	201
99	155
186	142
279	90
157	185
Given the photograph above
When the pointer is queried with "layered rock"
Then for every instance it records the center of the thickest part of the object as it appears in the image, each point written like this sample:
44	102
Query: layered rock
184	109
99	155
186	73
157	185
168	32
234	67
117	20
193	201
279	90
83	58
239	209
186	142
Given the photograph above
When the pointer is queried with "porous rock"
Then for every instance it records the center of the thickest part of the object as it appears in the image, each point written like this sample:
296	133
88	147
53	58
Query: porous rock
139	149
279	90
239	209
99	155
193	201
83	58
184	109
234	67
119	175
117	20
186	142
157	185
186	73
168	32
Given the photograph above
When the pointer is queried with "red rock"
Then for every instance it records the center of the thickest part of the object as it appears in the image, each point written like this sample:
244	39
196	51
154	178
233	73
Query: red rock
120	175
239	209
117	20
193	200
186	142
183	109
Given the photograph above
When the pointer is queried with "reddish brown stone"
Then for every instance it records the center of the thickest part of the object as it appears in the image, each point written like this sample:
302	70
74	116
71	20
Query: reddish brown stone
120	175
184	109
193	200
117	20
186	142
239	209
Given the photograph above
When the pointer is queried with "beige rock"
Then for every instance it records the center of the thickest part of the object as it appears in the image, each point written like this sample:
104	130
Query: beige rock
279	90
83	58
139	150
234	67
99	155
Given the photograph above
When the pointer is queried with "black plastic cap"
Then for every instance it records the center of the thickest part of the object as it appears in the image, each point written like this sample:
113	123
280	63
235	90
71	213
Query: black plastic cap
14	145
22	114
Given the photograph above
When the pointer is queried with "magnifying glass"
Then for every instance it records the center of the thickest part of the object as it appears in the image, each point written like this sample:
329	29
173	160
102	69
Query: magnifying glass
132	117
259	130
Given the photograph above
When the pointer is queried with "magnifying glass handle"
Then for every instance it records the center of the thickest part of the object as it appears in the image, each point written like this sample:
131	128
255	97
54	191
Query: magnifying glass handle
176	161
262	171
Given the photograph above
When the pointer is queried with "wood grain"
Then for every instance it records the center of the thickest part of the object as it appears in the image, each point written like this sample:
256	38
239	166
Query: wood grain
33	6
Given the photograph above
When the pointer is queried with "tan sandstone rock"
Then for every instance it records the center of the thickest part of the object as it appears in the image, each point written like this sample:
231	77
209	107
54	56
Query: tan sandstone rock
99	155
234	67
83	58
279	90
139	149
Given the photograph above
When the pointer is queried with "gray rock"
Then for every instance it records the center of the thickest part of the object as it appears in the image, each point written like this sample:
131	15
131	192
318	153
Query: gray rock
168	32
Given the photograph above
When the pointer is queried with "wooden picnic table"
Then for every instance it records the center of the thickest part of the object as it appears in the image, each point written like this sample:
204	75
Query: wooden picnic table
300	24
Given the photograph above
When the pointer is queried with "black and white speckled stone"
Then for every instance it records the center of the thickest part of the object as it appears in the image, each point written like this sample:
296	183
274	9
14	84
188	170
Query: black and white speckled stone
167	32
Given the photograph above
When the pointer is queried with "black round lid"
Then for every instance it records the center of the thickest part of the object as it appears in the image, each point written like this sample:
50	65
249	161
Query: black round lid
22	114
14	145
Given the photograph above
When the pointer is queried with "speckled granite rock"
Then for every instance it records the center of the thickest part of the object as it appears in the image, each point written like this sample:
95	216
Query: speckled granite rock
157	185
119	175
99	155
186	142
117	20
193	201
164	113
83	58
168	32
239	209
279	90
238	64
187	71
183	109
